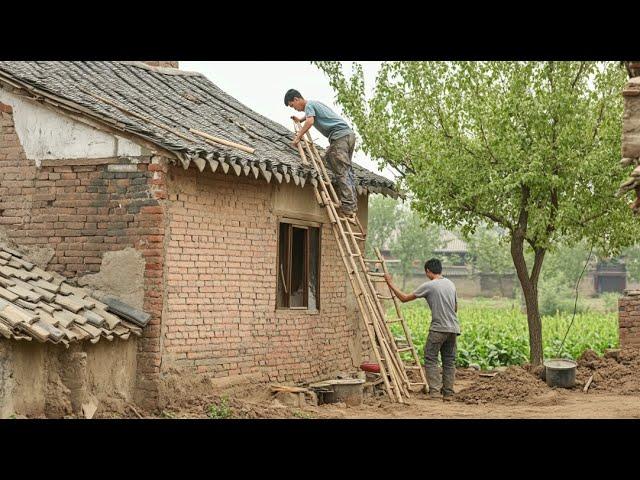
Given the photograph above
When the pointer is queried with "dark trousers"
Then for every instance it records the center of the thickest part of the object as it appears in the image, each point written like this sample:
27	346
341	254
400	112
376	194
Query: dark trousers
445	344
338	159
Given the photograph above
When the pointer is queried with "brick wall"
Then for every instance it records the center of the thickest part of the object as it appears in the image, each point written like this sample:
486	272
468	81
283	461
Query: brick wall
629	320
83	208
220	315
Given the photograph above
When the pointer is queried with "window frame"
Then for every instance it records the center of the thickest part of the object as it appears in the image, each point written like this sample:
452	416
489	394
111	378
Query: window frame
301	224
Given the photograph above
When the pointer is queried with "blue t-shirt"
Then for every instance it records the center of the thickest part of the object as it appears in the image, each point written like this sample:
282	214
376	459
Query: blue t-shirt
328	122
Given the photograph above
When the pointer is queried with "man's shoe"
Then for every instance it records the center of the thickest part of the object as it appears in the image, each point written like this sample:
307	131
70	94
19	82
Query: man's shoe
434	396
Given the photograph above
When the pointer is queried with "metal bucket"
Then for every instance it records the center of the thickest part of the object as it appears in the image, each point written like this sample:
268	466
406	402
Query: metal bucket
348	390
560	372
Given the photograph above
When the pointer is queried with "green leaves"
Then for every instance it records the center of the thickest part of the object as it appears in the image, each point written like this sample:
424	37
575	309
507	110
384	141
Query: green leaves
469	135
496	335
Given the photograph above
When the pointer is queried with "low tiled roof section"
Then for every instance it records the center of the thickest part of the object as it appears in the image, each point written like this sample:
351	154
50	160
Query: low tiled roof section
179	100
41	305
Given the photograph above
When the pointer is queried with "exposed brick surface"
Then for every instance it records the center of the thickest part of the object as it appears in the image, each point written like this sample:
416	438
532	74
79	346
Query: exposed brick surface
629	321
210	246
83	211
221	269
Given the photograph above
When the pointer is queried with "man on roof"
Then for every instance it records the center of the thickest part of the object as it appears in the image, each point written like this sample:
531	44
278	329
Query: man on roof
341	144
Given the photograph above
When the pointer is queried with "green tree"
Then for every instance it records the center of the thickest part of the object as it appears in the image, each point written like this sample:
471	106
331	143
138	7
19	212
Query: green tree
631	257
414	241
382	222
489	252
530	147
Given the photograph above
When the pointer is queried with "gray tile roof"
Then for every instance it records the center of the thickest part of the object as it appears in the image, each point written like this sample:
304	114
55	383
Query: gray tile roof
41	305
179	100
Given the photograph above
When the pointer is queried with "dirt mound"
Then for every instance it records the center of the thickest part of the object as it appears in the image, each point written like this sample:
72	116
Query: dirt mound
514	385
616	372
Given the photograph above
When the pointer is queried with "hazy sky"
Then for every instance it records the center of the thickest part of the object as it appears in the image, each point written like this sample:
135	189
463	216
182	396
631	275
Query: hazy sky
262	85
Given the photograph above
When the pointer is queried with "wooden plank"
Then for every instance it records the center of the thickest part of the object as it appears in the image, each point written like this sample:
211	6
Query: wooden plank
222	141
588	384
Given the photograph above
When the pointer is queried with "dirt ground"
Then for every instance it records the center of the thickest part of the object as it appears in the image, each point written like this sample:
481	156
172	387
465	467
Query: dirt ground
517	392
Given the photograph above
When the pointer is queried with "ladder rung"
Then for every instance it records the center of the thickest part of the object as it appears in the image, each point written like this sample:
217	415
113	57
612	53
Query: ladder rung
397	320
405	349
385	297
370	260
375	274
412	367
356	255
412	384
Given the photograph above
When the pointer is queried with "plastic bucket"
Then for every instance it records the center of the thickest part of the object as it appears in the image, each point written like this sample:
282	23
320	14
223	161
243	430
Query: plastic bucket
560	372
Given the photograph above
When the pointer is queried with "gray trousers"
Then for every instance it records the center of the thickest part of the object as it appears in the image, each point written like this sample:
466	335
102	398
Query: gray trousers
338	159
445	344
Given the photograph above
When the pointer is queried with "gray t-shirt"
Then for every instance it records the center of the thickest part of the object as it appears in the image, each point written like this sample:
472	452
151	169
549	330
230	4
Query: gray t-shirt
328	122
440	294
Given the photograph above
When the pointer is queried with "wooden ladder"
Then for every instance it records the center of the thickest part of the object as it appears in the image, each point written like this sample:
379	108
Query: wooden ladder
348	232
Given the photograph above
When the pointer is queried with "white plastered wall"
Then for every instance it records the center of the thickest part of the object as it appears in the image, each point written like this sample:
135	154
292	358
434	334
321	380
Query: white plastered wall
47	135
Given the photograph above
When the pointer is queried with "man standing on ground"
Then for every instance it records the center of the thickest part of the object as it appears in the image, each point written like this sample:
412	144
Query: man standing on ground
342	141
440	294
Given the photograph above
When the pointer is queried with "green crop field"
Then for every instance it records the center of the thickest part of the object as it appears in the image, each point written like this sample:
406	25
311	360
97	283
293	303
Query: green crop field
495	333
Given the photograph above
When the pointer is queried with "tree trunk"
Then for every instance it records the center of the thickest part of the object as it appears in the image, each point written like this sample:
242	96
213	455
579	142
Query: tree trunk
529	286
530	292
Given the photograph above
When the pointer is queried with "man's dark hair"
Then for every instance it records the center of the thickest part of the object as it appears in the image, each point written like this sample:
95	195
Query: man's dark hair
290	95
434	266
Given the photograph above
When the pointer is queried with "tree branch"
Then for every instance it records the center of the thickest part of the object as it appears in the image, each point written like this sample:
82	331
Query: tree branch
537	265
573	84
491	216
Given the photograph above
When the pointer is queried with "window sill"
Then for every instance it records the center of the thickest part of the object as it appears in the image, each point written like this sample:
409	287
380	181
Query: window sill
299	310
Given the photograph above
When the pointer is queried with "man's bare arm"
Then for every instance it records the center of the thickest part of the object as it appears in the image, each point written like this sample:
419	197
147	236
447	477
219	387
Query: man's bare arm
307	125
403	297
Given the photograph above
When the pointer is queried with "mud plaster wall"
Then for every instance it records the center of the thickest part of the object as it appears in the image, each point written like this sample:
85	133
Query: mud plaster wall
220	316
82	214
45	380
121	274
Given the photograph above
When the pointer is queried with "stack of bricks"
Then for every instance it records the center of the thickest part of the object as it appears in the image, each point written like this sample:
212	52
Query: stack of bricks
629	319
82	208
